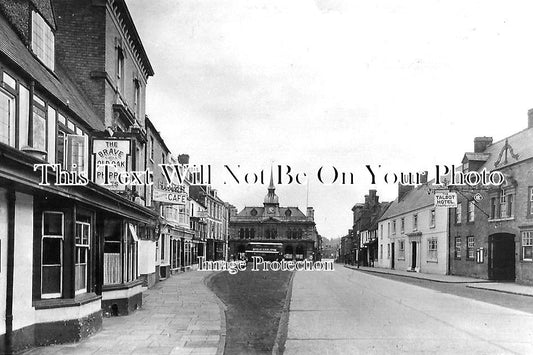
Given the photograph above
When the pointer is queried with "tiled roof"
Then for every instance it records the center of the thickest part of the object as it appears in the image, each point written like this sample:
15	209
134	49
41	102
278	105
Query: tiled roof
521	144
477	156
412	200
58	85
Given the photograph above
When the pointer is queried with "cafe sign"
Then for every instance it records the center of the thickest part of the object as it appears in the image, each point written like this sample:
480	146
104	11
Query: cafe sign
170	197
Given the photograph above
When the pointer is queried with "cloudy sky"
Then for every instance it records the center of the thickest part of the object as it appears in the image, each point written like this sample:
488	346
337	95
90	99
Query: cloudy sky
345	83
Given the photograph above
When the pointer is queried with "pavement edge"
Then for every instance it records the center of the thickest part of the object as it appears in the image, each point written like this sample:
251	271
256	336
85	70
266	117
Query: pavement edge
283	327
222	308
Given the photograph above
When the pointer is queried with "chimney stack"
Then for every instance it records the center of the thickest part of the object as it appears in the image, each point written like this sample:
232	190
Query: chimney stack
481	143
403	190
530	118
183	159
424	177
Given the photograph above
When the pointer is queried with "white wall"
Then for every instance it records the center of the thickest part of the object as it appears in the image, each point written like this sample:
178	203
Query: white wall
23	312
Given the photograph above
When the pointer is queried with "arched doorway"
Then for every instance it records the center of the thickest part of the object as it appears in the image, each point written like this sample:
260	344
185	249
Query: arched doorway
289	252
300	252
502	256
241	252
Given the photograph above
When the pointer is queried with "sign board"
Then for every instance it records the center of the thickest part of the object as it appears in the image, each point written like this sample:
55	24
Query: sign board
445	199
112	152
170	197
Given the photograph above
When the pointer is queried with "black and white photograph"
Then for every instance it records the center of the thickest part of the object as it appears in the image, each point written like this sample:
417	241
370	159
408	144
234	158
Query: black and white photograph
223	177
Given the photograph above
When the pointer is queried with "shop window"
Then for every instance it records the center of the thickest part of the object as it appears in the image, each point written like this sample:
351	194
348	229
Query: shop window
52	254
83	231
470	248
112	252
527	245
7	118
42	40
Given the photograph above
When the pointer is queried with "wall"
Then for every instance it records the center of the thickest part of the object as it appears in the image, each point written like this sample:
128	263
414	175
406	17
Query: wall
23	314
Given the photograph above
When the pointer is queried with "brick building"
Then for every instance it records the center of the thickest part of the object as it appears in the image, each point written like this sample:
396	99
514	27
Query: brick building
67	252
492	238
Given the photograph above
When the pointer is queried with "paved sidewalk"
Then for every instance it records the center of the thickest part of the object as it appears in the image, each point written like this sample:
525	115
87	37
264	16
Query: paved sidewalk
505	287
179	316
419	275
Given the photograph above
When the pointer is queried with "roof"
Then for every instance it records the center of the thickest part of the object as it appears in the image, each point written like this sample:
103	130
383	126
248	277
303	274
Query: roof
132	31
246	214
476	156
59	85
510	150
413	200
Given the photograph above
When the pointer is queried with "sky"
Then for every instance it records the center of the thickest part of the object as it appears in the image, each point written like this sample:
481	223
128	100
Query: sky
399	86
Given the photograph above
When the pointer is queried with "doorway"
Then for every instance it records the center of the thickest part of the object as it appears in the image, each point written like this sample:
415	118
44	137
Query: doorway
413	255
392	256
502	257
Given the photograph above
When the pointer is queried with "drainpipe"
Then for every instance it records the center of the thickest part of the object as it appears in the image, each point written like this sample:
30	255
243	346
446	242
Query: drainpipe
8	346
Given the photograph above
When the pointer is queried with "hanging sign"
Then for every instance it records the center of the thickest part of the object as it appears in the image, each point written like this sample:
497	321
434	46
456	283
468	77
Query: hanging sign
446	199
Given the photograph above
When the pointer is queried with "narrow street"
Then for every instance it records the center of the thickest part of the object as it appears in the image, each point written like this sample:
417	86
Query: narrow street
347	311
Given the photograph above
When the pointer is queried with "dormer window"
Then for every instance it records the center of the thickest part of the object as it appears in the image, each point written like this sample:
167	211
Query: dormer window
42	40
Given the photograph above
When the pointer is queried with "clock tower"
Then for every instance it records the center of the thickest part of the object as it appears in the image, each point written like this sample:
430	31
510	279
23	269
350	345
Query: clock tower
271	202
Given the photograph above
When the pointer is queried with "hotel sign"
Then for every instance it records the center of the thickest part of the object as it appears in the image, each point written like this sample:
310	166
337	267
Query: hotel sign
446	199
114	153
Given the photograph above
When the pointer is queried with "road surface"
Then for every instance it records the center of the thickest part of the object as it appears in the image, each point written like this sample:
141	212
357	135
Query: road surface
351	312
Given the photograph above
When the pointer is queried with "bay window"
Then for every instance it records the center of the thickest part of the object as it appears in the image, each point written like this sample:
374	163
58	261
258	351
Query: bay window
7	118
83	231
39	124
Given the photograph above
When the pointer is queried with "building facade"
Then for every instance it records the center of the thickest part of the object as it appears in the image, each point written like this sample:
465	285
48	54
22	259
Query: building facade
271	223
83	240
491	237
412	234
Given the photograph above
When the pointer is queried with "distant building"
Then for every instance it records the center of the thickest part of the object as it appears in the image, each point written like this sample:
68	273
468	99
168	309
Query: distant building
365	225
270	223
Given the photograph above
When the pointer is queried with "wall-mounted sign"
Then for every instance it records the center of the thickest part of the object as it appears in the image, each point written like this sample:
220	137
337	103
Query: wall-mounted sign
445	199
170	197
114	153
